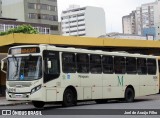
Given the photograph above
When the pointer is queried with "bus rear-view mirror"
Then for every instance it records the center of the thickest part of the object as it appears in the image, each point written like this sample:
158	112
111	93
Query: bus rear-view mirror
48	64
3	65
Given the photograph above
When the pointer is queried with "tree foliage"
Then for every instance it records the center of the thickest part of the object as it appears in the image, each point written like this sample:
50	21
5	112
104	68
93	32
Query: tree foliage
26	29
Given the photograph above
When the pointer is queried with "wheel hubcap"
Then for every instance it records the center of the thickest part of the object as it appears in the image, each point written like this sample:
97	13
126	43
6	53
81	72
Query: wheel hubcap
69	98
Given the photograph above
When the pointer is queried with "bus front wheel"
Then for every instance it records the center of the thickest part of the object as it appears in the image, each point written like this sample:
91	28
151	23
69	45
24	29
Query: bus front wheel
129	95
38	104
68	98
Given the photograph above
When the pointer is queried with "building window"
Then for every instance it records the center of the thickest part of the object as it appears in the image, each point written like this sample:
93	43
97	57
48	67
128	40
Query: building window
81	29
2	29
44	7
53	0
82	34
54	27
79	15
81	25
52	8
31	5
53	18
80	20
32	16
47	31
44	16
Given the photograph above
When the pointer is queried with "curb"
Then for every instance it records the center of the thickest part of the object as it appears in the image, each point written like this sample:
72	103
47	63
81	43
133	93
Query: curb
13	104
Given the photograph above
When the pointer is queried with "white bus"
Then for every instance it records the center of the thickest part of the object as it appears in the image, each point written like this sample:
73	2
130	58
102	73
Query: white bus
45	73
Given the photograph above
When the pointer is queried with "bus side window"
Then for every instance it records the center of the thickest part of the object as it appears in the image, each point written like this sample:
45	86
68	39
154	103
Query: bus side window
82	63
68	63
107	64
131	67
151	66
141	66
95	64
119	65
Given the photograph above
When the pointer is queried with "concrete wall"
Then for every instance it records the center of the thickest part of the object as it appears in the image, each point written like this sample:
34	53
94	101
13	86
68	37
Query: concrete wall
13	9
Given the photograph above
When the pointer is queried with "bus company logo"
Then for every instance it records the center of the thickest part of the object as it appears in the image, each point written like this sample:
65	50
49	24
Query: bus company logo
6	112
68	76
120	81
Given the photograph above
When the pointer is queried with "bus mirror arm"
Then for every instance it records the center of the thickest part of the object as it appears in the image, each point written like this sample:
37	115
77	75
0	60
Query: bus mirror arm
2	65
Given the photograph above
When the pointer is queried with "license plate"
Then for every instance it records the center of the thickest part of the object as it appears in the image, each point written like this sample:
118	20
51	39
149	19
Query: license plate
18	96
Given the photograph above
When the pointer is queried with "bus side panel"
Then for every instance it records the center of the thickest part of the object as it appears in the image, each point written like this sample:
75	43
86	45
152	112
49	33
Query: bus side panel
111	86
147	85
71	79
51	95
60	92
96	81
132	80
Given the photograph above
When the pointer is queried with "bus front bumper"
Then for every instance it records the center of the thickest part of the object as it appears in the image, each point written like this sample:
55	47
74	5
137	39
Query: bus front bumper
37	96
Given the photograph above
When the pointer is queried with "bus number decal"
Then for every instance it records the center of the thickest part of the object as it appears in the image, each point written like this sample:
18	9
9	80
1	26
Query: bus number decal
120	81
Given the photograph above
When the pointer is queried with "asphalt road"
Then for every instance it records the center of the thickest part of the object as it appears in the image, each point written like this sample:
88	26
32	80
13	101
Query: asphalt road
142	104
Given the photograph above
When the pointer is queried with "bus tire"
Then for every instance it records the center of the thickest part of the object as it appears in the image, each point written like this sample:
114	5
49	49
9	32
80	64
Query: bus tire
129	95
38	104
68	98
101	101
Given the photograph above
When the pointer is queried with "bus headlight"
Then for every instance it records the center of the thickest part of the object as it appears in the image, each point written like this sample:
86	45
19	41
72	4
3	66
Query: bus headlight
35	89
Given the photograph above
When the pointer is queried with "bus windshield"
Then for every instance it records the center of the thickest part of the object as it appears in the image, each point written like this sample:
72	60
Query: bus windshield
26	68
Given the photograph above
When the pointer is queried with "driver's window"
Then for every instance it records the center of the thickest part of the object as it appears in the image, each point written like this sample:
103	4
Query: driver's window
54	66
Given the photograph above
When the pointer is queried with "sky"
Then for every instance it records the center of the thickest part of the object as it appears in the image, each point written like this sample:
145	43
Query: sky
114	9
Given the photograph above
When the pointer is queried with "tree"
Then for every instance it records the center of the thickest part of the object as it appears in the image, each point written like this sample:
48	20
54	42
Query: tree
26	29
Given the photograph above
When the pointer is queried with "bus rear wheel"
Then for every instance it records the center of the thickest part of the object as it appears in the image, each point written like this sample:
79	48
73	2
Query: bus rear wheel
69	98
129	95
38	104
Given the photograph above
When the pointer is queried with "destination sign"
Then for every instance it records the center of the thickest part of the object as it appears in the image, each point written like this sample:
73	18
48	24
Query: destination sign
24	50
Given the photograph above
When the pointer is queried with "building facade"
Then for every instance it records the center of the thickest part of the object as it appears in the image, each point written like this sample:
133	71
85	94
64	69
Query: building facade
157	19
129	24
32	11
157	27
6	24
83	21
149	32
145	17
116	35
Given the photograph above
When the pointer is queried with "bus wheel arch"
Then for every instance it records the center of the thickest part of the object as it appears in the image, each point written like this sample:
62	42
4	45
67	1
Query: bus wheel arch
38	104
69	96
129	94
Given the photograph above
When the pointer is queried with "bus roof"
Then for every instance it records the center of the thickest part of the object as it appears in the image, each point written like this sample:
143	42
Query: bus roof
81	50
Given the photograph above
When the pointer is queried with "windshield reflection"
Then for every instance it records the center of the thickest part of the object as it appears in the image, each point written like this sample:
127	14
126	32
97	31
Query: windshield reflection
24	68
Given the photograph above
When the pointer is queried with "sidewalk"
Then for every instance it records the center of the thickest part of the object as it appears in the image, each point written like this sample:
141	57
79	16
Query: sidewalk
4	102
